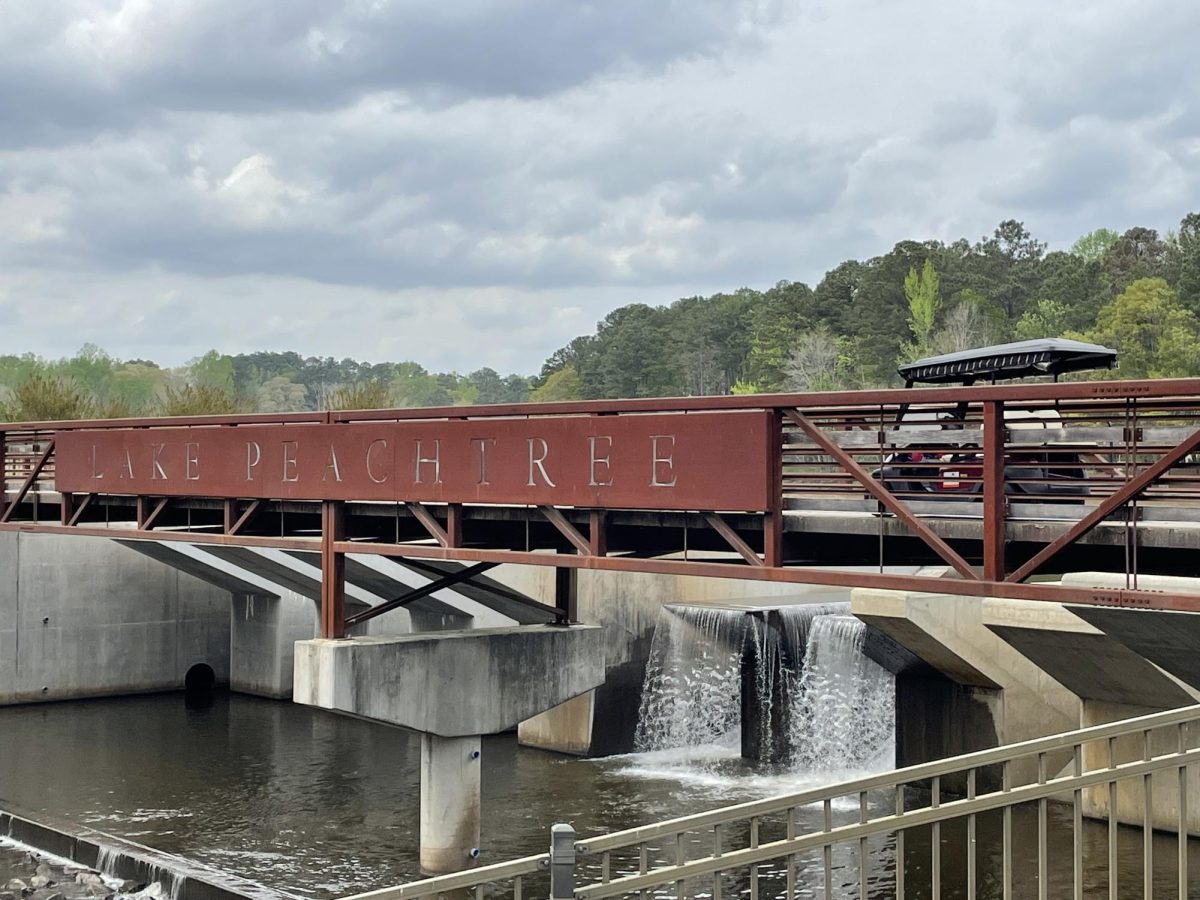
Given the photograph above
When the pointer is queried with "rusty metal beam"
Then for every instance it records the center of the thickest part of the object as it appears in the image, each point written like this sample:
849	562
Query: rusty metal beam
244	518
598	532
430	523
566	529
28	483
3	472
876	489
995	507
80	509
446	581
454	524
732	538
333	569
796	575
1130	491
146	520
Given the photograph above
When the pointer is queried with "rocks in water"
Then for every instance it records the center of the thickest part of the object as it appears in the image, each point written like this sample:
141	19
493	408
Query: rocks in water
16	884
47	894
90	879
41	881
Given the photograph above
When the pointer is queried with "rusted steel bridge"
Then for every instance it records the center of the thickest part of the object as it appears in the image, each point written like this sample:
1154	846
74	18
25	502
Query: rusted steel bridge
1004	485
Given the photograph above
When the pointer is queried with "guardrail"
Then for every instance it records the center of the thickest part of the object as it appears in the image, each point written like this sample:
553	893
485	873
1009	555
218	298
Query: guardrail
786	846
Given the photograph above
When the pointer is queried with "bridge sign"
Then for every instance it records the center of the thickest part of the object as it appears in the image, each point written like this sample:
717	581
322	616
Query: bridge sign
678	461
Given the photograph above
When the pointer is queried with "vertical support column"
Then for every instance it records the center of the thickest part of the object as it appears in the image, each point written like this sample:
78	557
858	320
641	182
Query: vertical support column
450	803
454	525
333	570
562	862
773	520
66	507
994	503
598	532
566	593
3	471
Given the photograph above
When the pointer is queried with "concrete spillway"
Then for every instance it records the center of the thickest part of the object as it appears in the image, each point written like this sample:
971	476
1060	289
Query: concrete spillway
789	683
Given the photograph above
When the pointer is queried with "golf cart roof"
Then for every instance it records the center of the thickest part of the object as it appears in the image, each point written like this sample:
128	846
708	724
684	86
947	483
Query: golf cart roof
1045	356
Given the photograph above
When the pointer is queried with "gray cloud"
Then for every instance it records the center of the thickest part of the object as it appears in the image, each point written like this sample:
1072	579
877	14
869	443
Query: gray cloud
476	183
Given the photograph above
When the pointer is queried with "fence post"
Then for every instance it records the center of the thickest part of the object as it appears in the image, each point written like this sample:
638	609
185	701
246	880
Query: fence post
562	862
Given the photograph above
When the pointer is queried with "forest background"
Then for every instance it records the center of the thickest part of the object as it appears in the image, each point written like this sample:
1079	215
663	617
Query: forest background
1137	292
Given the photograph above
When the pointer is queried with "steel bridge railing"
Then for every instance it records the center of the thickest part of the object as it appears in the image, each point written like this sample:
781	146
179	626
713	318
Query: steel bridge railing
886	835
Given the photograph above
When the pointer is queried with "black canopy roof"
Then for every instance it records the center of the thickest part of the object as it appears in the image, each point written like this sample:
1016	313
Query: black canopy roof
1045	356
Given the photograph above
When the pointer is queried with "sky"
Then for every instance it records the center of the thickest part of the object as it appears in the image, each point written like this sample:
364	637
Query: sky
475	183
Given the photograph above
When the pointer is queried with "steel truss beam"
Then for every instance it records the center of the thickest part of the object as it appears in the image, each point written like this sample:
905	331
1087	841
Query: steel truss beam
1131	490
876	489
28	483
446	581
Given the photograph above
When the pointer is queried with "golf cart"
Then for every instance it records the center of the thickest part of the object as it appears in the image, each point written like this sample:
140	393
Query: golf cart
940	467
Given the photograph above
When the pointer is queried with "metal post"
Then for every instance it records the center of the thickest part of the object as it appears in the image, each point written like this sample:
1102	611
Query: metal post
562	862
3	470
994	527
566	594
333	570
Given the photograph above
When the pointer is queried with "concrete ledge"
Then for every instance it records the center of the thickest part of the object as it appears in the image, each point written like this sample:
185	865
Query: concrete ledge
186	880
1081	657
452	684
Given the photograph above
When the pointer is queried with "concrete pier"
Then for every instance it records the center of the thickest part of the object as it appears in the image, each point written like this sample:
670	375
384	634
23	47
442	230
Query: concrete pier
450	802
452	687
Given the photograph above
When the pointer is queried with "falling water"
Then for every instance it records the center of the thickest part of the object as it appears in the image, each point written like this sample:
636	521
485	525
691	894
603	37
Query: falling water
843	714
821	703
693	679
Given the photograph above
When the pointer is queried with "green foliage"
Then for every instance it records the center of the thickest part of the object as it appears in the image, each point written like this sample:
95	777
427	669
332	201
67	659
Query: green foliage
363	395
198	400
742	388
44	398
1045	319
924	296
1154	335
561	385
1092	246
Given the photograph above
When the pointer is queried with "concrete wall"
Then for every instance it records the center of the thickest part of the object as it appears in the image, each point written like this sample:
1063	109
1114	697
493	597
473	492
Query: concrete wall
1003	696
83	616
627	606
262	641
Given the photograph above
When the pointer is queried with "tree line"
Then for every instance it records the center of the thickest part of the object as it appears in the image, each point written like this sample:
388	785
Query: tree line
1137	291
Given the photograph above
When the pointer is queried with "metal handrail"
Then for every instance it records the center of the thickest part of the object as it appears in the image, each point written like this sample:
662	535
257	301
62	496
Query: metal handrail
459	881
936	811
890	779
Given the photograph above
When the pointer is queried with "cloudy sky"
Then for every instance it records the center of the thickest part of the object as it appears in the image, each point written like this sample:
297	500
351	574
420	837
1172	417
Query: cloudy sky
475	182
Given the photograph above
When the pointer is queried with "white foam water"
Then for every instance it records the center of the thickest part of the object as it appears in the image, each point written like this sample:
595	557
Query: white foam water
839	716
843	713
690	697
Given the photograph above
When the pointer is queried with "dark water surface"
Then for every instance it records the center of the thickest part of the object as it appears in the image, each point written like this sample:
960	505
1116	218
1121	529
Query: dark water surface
323	805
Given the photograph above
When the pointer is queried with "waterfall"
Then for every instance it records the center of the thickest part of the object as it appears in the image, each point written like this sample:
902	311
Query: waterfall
691	694
812	696
843	714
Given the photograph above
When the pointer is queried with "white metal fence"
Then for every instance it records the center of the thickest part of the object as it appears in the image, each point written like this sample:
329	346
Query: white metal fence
908	832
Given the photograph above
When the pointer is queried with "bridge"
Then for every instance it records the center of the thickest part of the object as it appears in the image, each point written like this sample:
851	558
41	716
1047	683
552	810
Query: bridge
978	496
771	488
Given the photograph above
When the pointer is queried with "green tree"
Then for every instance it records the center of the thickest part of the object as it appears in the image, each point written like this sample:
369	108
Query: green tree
923	292
563	384
1045	319
1092	246
1183	261
1154	336
213	370
44	398
198	400
362	395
